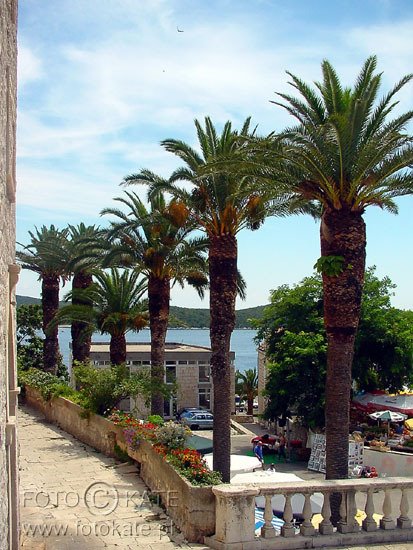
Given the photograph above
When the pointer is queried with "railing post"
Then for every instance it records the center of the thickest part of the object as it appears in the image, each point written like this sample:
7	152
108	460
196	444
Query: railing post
235	516
349	509
403	521
287	530
307	528
369	523
326	527
267	530
386	521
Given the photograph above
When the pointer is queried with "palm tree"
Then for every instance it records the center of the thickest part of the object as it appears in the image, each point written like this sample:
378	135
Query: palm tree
117	308
246	386
47	254
347	155
84	247
221	203
156	241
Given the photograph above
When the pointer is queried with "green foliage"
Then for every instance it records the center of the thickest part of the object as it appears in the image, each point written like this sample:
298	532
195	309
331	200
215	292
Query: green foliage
332	266
156	419
48	384
121	454
293	329
29	343
103	389
172	435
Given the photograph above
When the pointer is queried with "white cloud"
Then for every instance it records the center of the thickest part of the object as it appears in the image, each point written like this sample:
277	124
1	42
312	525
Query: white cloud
29	66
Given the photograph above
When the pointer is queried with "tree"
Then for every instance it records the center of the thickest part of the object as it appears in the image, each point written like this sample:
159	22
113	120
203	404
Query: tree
29	343
246	386
347	155
223	200
117	308
293	329
156	241
84	257
47	255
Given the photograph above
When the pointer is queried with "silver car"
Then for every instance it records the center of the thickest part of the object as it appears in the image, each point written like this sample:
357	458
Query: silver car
198	420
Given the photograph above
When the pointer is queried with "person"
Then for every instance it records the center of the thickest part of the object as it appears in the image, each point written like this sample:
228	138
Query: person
258	451
281	448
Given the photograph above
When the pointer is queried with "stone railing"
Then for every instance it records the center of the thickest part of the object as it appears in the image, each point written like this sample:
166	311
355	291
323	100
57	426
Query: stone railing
235	515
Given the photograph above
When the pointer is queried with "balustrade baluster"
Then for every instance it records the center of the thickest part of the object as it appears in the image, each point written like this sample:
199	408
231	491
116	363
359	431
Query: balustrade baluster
326	527
403	521
267	530
342	524
287	530
307	528
369	523
350	525
386	521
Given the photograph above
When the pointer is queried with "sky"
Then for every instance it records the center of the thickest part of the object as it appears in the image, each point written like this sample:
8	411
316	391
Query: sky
102	82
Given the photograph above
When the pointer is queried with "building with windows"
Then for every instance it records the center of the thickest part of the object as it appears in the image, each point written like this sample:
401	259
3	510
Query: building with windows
9	533
187	366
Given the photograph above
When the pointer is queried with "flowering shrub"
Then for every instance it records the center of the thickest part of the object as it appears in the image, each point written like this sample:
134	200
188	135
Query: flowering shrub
190	464
172	435
168	441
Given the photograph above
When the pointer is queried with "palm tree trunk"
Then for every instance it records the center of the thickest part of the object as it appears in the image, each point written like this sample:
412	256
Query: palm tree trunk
50	306
159	291
81	335
117	349
250	406
343	233
223	292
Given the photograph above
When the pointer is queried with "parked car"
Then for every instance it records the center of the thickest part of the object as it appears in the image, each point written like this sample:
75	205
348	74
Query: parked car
184	411
198	420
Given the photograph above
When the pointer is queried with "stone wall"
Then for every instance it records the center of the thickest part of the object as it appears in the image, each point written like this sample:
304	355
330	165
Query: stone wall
8	446
192	508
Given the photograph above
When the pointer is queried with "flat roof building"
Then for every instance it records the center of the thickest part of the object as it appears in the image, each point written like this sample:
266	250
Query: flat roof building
186	365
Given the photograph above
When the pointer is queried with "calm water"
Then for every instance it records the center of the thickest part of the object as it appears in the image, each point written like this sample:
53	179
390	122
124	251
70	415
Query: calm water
241	343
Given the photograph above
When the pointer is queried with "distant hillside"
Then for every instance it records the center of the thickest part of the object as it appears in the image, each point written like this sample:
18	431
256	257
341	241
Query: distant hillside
184	317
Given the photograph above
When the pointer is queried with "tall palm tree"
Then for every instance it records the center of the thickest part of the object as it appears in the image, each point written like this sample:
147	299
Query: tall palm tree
156	241
246	385
221	202
47	255
84	258
347	155
117	308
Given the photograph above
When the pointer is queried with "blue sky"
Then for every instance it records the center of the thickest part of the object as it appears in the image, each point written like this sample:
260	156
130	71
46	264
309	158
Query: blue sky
101	82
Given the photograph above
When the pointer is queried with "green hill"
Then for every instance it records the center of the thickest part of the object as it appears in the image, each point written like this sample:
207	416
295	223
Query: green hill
184	317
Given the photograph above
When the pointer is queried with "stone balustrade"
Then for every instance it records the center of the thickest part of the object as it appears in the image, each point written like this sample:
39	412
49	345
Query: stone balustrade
235	515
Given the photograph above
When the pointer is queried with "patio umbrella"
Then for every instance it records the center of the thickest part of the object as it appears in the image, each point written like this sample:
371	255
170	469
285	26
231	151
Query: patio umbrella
388	416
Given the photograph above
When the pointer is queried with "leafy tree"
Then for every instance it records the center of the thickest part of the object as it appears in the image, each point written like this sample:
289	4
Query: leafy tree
345	154
156	241
246	386
117	308
293	329
29	343
221	202
47	255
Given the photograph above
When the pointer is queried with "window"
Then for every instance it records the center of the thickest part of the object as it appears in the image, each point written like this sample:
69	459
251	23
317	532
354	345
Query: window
182	362
204	373
170	374
204	395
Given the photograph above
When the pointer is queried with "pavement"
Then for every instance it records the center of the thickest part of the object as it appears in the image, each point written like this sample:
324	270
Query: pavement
74	498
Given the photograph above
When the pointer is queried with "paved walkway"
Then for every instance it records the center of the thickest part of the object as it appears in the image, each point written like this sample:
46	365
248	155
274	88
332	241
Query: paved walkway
72	497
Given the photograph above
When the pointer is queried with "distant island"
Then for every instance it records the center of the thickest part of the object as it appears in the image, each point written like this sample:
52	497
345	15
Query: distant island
184	317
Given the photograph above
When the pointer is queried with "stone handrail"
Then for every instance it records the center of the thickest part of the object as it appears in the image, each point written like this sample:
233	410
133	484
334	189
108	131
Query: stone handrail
235	515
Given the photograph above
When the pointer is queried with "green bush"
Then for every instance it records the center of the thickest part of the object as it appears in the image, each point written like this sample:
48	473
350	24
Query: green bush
46	383
172	435
102	389
156	419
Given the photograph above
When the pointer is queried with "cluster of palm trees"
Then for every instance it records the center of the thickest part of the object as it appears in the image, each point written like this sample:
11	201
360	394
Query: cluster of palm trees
343	155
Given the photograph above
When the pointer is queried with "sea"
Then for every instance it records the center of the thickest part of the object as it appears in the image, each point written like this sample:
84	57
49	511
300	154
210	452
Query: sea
242	343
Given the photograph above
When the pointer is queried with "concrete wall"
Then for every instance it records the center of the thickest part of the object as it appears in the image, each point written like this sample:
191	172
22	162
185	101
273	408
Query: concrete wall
8	277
